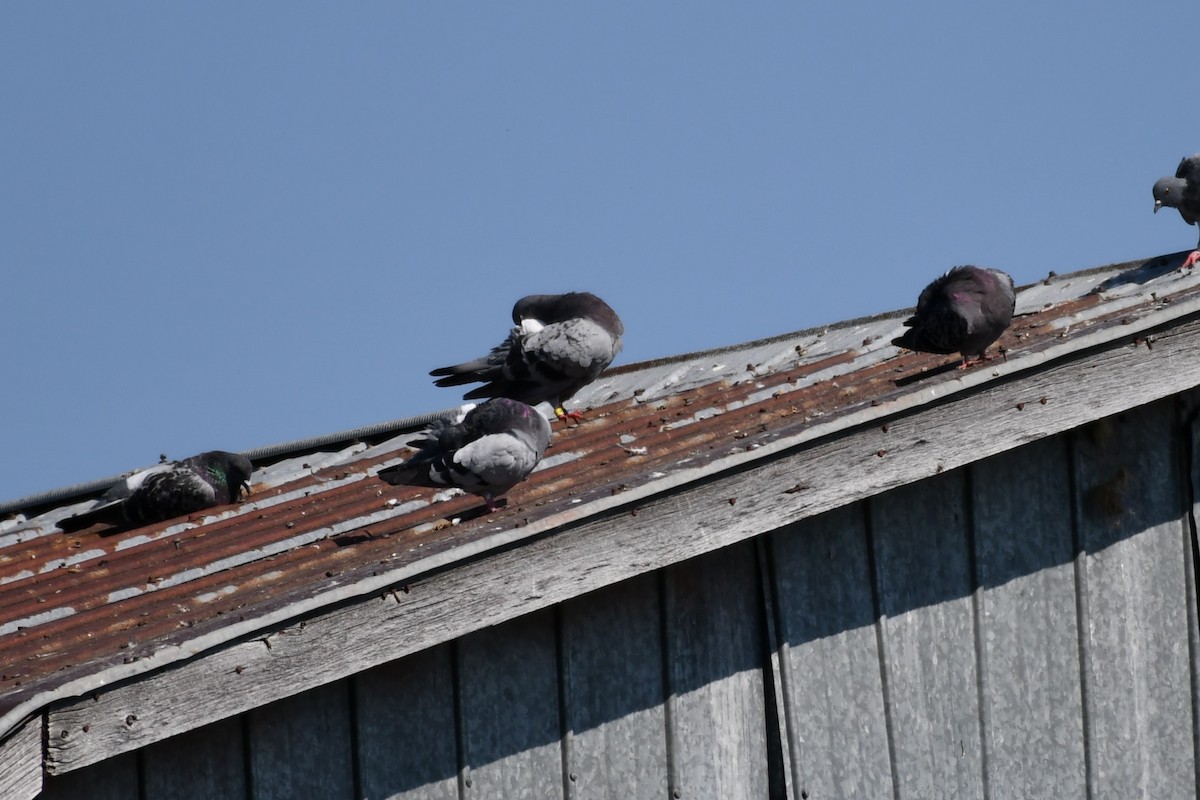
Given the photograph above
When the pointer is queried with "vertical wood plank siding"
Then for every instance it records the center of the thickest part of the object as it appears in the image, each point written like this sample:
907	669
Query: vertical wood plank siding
1022	627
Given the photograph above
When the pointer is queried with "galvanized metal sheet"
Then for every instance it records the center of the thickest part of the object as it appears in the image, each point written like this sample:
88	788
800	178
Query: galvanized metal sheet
114	779
508	685
1139	671
1024	555
300	747
716	713
836	720
206	762
923	579
612	683
406	728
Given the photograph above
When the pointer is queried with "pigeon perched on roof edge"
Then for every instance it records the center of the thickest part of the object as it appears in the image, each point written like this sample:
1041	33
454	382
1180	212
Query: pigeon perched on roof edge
212	478
495	447
561	343
1183	193
963	311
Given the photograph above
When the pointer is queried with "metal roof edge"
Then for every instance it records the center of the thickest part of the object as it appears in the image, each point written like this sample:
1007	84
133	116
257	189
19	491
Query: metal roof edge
299	446
1122	266
265	453
1029	363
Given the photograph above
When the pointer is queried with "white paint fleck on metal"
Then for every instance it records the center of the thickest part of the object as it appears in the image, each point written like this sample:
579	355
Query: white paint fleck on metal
208	597
36	619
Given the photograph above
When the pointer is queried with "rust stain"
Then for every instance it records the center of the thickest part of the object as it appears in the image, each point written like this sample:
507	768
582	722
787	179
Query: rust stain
130	594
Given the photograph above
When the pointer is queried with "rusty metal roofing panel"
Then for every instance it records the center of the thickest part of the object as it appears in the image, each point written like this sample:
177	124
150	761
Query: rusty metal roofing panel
82	608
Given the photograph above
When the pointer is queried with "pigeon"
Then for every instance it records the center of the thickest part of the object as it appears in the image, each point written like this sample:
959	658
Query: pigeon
561	343
495	446
1182	192
169	490
963	311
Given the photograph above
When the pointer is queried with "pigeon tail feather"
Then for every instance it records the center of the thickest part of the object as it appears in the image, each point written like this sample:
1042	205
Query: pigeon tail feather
107	513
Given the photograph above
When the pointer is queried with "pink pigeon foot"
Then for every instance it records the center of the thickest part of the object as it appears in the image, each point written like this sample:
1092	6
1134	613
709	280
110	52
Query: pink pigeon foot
566	415
1191	261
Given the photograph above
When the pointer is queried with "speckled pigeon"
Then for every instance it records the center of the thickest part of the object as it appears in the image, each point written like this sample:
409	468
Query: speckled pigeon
169	490
560	344
963	311
495	446
1182	192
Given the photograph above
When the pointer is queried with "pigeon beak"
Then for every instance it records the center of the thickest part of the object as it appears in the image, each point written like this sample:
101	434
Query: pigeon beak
1157	205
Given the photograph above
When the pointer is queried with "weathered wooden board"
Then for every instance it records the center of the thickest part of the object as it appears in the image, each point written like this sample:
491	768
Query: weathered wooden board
1130	510
407	748
920	536
666	529
300	747
1024	555
833	703
612	677
114	779
21	762
509	711
715	662
204	763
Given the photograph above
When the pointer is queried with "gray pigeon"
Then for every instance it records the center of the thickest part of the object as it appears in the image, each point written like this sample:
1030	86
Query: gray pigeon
497	444
963	311
561	343
1182	192
169	490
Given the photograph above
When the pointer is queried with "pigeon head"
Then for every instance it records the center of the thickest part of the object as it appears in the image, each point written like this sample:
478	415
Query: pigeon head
536	306
551	308
237	469
1167	192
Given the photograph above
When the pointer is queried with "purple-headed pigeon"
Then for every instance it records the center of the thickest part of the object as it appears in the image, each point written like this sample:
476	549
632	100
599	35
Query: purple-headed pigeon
560	344
1182	192
495	446
963	311
169	490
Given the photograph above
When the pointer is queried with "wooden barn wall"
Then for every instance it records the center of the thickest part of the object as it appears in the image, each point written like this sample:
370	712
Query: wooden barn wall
1023	627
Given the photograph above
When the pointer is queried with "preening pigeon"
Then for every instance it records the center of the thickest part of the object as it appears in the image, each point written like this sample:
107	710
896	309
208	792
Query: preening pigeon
963	311
560	344
497	444
169	490
1182	192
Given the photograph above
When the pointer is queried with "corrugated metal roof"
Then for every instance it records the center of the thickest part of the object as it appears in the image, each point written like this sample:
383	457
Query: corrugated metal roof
320	528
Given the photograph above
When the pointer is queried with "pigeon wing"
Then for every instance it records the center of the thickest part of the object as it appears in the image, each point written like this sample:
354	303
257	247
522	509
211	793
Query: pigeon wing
488	368
169	494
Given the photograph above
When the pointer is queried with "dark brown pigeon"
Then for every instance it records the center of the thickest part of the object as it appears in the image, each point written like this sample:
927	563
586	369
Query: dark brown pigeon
963	311
495	446
1182	192
561	343
169	490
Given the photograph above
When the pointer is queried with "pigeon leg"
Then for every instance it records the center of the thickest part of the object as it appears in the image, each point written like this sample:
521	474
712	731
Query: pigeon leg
565	415
967	363
1191	261
494	504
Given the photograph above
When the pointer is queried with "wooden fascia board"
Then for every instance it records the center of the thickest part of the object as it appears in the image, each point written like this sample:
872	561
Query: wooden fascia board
644	529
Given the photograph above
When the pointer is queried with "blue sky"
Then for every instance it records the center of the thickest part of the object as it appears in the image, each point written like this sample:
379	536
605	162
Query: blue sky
230	225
